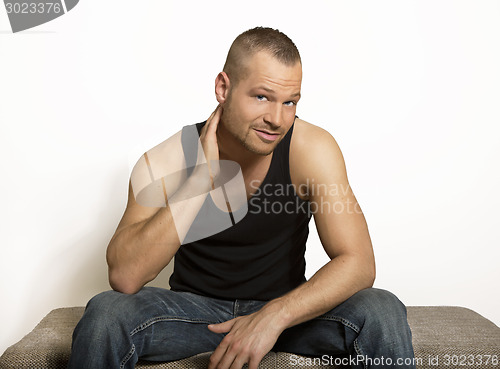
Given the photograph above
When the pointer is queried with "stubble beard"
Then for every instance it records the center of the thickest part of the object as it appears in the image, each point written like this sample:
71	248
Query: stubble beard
244	138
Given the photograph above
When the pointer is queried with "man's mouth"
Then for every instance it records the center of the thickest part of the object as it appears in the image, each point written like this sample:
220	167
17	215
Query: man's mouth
266	135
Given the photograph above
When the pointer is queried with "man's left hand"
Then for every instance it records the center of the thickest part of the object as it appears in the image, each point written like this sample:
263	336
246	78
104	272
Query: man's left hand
249	339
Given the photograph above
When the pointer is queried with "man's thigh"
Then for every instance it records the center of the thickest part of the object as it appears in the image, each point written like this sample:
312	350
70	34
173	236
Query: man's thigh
163	325
334	332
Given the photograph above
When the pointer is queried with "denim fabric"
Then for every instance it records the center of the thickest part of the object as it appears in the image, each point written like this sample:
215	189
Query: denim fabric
162	325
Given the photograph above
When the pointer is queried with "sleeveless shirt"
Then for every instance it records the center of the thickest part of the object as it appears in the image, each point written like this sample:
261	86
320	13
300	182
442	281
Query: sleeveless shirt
261	257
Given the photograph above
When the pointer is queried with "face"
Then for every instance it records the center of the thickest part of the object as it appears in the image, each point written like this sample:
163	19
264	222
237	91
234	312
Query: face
260	109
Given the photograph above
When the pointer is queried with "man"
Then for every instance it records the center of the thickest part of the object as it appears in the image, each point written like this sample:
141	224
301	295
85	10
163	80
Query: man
241	292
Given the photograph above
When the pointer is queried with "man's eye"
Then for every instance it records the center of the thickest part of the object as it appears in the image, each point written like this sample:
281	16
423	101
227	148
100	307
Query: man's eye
290	103
260	97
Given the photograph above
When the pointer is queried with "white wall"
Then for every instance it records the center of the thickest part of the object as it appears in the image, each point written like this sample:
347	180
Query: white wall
410	90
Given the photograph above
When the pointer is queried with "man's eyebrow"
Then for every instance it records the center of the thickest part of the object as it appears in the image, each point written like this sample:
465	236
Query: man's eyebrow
270	90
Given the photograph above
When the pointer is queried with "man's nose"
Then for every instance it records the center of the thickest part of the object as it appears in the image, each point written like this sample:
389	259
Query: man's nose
275	115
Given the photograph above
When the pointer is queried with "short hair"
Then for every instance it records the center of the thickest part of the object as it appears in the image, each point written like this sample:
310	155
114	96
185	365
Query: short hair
247	44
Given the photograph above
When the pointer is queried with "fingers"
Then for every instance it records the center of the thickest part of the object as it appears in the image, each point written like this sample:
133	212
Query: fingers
228	356
231	356
210	146
254	362
212	116
227	360
221	327
221	356
208	132
215	119
217	355
236	348
238	362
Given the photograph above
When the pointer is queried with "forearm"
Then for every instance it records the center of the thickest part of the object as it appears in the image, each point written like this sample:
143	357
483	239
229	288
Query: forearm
334	283
137	253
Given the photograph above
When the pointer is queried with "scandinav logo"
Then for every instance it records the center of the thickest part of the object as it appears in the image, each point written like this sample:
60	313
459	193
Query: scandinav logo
25	14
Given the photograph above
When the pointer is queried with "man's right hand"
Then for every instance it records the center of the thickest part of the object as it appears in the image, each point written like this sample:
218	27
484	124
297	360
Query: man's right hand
208	138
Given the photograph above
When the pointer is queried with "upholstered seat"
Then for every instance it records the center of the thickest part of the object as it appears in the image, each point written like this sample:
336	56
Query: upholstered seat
443	337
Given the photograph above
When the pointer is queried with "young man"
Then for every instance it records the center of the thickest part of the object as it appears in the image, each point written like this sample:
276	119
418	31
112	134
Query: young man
241	291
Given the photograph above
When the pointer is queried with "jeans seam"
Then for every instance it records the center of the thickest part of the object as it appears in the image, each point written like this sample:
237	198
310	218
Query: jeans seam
348	324
150	322
236	306
359	352
345	322
127	357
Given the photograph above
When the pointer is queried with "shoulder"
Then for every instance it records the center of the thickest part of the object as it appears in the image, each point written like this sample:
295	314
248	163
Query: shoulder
307	134
165	159
315	156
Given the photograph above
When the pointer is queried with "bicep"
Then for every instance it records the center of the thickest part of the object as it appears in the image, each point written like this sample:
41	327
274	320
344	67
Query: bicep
338	217
341	224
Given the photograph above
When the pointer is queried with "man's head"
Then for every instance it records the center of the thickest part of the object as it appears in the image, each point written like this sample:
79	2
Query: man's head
259	89
250	42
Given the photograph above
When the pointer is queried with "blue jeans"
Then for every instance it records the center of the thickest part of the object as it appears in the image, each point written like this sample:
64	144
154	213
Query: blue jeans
161	325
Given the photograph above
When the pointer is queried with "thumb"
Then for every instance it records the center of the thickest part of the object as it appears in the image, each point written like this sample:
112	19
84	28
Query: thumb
221	327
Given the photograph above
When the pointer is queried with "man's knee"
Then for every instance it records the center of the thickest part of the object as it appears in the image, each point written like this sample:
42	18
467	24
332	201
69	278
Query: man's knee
106	311
106	304
380	307
381	301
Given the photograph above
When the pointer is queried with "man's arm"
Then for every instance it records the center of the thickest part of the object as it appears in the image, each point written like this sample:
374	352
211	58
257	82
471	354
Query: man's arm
341	227
344	234
147	237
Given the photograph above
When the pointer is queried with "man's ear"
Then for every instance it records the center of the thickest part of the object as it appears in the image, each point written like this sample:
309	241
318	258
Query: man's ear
222	85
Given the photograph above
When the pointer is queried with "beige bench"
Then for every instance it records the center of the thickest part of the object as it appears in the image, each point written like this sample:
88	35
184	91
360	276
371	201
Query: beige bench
443	337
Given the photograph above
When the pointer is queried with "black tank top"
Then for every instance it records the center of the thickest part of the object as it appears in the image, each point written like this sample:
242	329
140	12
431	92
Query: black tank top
261	257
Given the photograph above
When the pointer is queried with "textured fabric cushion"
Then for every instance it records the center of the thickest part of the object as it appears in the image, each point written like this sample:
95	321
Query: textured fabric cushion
453	337
48	345
441	335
